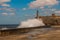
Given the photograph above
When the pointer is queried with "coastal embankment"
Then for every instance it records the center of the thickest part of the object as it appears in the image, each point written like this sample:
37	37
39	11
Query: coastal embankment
36	34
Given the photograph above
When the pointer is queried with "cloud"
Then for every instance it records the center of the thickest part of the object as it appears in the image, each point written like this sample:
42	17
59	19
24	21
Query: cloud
42	3
5	14
24	9
2	1
5	5
12	14
41	7
8	9
57	11
53	9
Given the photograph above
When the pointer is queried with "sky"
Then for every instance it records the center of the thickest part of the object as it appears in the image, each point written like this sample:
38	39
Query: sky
16	11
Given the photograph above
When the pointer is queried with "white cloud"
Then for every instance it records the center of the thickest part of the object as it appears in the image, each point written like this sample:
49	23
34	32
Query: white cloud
2	1
5	14
24	9
41	7
5	5
42	3
12	14
57	11
10	9
53	9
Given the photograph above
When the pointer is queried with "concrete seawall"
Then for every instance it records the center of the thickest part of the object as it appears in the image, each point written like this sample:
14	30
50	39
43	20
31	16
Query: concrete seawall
36	34
19	30
24	30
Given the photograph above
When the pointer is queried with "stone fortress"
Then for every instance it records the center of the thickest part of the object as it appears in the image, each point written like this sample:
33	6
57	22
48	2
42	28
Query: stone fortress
49	20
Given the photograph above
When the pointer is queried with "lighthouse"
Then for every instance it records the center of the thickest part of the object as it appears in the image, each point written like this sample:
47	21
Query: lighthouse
37	14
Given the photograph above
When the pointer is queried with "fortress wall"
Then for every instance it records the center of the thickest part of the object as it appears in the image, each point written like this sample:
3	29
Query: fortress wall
51	20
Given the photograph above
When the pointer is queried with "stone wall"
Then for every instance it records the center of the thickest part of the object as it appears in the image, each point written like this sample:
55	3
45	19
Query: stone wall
51	20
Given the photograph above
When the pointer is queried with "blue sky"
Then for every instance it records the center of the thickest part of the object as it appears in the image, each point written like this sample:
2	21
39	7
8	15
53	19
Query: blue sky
15	11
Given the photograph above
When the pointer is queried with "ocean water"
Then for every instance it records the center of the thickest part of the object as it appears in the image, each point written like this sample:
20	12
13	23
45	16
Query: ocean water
8	26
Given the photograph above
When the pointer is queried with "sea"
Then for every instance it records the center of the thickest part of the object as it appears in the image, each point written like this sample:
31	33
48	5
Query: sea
8	26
